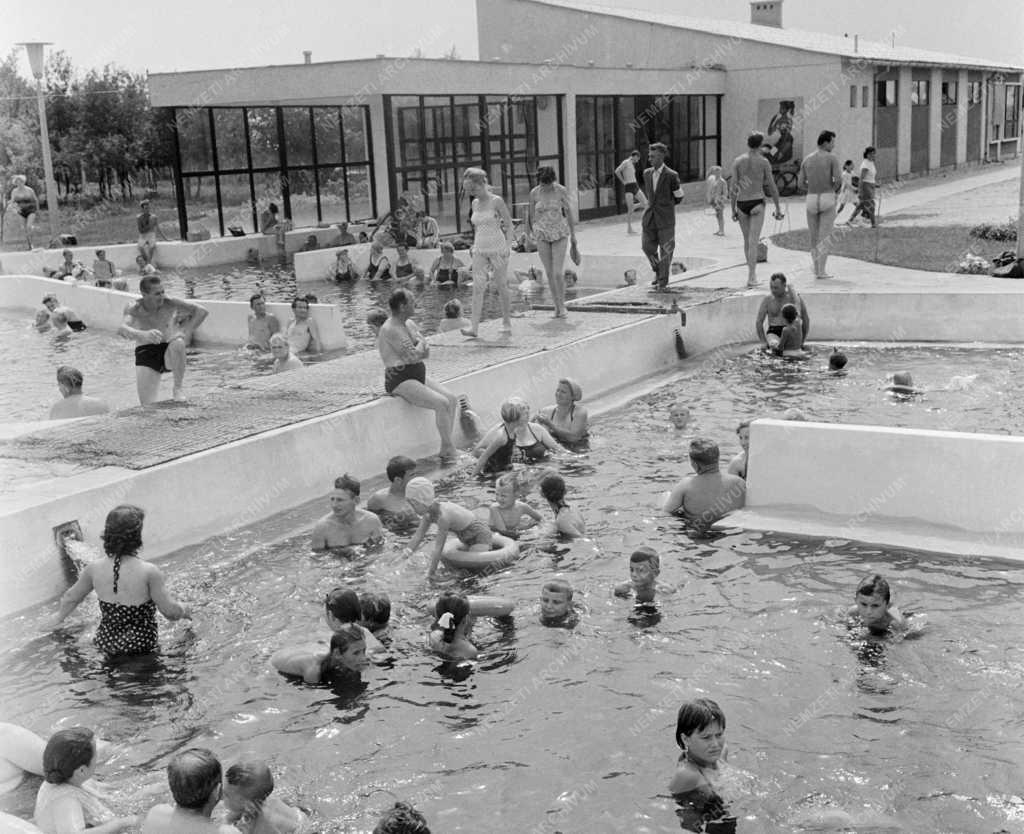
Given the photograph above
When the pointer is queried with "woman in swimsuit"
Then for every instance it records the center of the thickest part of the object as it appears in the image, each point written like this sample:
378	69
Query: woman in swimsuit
130	591
492	246
405	269
751	180
520	441
379	266
28	205
549	223
566	421
445	270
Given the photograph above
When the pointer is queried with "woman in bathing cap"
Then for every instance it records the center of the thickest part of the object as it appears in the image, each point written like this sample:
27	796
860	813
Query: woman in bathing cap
565	420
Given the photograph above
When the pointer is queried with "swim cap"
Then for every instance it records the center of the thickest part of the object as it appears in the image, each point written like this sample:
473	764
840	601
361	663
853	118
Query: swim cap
420	489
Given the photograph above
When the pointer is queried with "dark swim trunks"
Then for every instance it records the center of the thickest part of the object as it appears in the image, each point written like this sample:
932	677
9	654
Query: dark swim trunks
776	330
631	187
747	206
448	276
395	376
77	326
151	356
27	210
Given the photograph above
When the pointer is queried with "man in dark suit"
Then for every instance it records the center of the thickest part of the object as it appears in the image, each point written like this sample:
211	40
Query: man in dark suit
664	193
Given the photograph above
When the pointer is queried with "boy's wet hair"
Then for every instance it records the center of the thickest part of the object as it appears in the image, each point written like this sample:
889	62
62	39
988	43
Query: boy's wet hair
559	586
347	483
253	777
453	309
874	585
837	360
789	312
344	605
646	554
696	715
192	776
399	466
376	609
703	450
402	819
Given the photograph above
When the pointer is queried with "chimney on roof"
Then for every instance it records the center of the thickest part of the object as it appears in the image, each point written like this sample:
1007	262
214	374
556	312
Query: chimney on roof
308	55
766	13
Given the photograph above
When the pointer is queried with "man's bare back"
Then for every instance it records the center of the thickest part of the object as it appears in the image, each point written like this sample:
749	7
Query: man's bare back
166	819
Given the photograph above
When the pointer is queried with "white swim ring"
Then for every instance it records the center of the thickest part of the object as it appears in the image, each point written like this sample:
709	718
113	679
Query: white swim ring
503	551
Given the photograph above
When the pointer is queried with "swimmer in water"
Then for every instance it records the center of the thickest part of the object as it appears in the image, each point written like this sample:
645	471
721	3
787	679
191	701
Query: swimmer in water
700	732
791	342
903	384
679	414
510	516
473	534
874	608
390	503
346	524
303	333
837	362
738	465
344	662
644	568
568	522
449	635
284	359
556	608
248	788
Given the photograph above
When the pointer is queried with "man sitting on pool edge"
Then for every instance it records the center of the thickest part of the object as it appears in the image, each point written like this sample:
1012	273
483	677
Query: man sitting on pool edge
346	524
708	494
771	308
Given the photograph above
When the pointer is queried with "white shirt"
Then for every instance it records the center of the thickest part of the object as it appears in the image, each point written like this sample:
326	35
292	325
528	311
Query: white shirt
867	171
654	177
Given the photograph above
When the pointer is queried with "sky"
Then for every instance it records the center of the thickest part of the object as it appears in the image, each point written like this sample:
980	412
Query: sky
211	34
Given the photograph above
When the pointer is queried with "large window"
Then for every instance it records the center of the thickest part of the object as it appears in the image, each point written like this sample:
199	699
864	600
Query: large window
433	139
919	93
1011	123
315	163
949	92
974	92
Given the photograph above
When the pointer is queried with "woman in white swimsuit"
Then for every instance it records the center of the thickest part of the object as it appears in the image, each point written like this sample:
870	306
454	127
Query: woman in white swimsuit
492	245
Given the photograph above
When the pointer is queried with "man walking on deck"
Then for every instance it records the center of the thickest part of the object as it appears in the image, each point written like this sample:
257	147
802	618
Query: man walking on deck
664	193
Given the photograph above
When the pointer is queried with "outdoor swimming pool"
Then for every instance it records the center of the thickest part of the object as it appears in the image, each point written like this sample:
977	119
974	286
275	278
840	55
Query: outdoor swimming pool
556	730
108	364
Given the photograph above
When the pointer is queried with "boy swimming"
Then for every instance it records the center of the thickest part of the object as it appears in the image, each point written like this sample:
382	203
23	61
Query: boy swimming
556	609
874	608
510	516
644	567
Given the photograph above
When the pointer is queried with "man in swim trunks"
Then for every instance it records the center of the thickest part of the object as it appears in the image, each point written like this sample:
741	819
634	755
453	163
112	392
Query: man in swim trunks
626	172
195	778
346	524
51	303
152	321
751	180
708	494
821	175
390	503
403	349
262	325
771	309
664	193
149	228
303	333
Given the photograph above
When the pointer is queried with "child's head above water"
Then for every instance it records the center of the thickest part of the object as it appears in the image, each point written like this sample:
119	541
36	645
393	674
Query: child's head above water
67	751
450	610
419	492
399	467
249	783
376	318
694	719
874	586
552	487
402	819
376	610
555	599
644	566
515	409
279	346
836	360
789	312
348	648
343	605
453	309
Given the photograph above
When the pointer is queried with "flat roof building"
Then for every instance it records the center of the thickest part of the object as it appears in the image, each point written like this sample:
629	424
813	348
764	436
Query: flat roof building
575	86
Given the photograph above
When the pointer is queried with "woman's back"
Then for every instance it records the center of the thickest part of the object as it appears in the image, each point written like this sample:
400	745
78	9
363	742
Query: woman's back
132	580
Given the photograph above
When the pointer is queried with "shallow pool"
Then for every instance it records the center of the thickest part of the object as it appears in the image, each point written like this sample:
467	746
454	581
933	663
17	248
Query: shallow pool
572	731
107	363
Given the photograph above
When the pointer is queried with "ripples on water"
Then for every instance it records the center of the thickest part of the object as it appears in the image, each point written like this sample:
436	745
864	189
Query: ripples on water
572	730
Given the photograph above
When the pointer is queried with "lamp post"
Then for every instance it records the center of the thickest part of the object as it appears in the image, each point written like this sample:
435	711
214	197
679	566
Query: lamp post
35	59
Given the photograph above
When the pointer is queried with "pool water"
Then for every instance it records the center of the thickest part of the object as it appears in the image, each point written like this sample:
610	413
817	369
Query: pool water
108	364
572	730
238	283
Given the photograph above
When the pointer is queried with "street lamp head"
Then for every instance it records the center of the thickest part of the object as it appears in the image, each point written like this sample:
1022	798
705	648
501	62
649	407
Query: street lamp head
35	56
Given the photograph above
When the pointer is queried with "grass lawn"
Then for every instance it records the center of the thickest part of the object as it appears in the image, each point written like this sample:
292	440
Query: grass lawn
931	248
103	224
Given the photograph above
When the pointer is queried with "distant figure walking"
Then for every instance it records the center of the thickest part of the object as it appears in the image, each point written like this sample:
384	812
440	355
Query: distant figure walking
664	193
27	203
751	181
866	189
822	177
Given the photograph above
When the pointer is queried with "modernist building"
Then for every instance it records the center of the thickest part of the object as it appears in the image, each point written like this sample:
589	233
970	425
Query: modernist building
574	86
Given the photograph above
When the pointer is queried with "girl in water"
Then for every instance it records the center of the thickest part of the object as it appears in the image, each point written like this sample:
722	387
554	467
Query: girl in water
568	521
343	663
751	180
67	801
130	591
452	624
700	733
492	247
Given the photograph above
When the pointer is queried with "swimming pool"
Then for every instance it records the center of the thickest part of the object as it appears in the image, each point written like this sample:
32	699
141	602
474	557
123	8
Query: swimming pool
107	362
571	731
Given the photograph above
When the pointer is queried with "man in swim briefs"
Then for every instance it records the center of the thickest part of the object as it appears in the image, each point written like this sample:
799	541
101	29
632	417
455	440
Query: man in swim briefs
346	524
708	494
152	321
771	309
821	176
751	180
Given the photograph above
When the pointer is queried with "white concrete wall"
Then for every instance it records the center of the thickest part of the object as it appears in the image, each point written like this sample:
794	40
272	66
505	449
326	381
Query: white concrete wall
226	324
305	459
175	254
971	482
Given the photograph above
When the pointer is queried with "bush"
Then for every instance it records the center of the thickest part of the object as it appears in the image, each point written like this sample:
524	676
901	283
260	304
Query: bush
996	231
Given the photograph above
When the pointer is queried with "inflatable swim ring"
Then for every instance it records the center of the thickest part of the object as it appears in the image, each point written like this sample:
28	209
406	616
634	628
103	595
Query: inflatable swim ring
485	606
503	551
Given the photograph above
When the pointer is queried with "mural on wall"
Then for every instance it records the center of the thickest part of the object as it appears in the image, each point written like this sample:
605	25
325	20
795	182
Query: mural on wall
783	133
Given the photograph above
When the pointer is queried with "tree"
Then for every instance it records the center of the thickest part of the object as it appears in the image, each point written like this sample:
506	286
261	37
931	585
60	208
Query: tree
20	150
